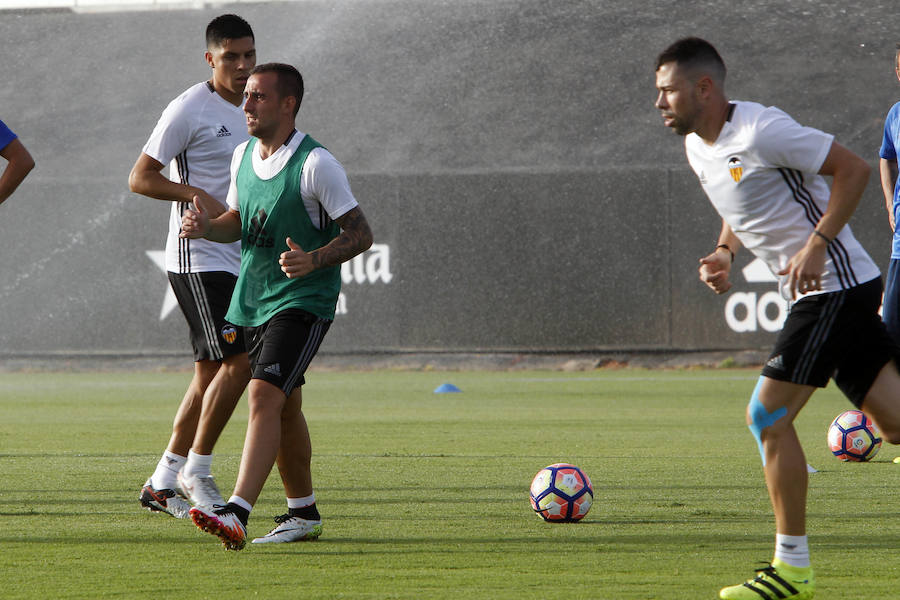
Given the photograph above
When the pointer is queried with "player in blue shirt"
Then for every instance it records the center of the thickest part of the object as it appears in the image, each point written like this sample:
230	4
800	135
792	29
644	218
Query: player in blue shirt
19	162
888	165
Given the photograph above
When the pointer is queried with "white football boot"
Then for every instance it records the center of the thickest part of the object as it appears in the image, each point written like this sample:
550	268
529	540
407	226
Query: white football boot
291	529
223	524
168	501
201	490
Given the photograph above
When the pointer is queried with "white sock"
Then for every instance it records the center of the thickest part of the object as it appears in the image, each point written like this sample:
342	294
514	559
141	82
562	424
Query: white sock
197	465
241	502
792	549
167	468
302	502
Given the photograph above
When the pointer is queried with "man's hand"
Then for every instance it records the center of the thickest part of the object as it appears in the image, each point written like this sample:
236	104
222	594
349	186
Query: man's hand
714	271
805	269
195	223
295	262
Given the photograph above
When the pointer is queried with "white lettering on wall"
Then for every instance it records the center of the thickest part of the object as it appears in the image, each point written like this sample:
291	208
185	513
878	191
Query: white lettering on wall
341	307
745	313
372	266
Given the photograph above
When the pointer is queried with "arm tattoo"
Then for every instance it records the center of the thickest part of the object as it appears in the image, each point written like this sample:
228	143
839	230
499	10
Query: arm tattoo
355	237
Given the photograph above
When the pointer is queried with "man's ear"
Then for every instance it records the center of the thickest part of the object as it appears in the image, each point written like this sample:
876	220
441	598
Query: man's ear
705	86
291	103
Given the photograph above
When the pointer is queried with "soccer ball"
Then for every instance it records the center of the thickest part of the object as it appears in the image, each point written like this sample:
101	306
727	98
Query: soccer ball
852	436
561	493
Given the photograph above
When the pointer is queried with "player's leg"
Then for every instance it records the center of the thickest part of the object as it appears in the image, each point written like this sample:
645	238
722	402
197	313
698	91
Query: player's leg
220	400
803	359
224	341
772	411
891	302
770	415
262	441
295	452
229	523
867	372
293	338
302	521
196	299
188	416
280	352
227	343
882	402
161	492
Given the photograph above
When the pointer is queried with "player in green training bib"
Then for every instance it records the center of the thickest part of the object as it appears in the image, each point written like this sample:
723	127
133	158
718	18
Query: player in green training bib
276	212
291	207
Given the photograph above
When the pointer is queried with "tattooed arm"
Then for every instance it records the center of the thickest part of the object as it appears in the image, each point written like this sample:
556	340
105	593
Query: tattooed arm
355	238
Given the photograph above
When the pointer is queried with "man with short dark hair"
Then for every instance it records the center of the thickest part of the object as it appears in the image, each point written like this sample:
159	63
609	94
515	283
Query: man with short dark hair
196	135
762	171
291	207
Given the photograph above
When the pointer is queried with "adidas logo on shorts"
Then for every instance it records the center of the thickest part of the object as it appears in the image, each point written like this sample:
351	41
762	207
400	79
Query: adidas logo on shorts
776	362
274	369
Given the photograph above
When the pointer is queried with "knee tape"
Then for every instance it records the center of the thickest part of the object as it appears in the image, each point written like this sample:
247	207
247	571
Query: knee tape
760	418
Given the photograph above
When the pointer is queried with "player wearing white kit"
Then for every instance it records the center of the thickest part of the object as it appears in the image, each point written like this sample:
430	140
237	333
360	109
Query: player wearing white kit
763	173
770	207
196	136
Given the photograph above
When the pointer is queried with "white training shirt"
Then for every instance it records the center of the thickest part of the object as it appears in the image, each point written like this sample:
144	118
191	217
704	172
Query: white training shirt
196	136
323	181
761	175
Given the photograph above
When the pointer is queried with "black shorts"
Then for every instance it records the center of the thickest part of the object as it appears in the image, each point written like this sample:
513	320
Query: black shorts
282	347
204	299
839	335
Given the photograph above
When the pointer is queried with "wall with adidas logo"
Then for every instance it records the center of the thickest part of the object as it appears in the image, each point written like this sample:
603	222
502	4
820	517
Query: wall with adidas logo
523	191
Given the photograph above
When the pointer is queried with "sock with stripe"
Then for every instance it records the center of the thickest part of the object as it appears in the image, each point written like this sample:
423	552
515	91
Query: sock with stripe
792	550
240	507
164	477
305	508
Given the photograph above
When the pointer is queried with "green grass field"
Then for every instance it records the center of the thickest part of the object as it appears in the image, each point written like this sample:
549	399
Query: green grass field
424	495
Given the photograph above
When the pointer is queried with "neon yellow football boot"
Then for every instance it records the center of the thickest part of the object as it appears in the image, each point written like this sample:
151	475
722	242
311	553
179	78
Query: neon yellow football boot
778	581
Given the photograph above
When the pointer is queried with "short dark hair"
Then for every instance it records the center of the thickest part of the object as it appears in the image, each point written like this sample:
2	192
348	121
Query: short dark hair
289	83
694	53
227	27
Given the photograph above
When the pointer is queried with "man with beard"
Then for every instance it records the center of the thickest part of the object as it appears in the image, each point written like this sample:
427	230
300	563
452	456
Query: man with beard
763	173
291	206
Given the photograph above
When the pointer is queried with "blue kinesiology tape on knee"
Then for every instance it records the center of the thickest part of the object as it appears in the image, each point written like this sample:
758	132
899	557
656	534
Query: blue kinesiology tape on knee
760	418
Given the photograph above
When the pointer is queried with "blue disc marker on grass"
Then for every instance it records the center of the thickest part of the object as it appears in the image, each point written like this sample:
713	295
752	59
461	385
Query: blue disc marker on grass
445	388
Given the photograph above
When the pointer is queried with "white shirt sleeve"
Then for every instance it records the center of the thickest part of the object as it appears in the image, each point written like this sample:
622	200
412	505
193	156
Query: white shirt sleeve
782	142
171	135
232	198
323	179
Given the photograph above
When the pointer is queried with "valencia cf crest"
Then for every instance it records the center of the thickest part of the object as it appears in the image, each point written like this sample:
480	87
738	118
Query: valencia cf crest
229	333
736	168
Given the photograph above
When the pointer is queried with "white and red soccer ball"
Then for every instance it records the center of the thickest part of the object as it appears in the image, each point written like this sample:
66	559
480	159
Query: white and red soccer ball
561	493
852	436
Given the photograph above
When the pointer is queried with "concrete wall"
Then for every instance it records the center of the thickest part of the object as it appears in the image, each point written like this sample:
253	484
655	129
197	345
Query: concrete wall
523	192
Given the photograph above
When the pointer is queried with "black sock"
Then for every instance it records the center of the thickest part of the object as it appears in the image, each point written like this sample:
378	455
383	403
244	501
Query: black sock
240	512
310	513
